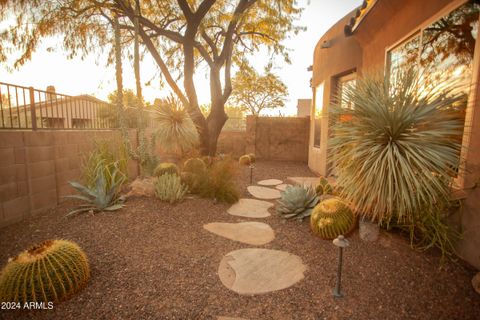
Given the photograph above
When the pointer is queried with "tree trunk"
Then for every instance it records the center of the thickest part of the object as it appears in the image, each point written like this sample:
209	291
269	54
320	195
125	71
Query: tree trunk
118	65
136	54
217	117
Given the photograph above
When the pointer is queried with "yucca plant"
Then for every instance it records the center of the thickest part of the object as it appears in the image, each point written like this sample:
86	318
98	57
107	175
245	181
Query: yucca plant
297	202
176	131
397	150
101	197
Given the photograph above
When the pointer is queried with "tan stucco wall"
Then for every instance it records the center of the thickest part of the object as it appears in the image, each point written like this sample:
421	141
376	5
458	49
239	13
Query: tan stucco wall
388	23
343	55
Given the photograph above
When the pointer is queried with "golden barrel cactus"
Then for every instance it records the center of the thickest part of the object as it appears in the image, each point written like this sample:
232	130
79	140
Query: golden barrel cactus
245	160
194	165
331	218
52	271
165	167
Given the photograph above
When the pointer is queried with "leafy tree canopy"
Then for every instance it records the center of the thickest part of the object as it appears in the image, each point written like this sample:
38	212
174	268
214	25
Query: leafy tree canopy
255	92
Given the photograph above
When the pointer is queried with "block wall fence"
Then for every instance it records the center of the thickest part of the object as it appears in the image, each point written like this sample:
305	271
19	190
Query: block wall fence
35	166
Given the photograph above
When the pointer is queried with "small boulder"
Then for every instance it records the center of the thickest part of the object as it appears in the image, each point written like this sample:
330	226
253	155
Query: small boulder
142	187
476	282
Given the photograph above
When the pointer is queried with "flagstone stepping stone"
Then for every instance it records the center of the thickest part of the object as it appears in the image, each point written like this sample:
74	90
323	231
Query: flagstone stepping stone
255	270
282	186
253	233
264	193
270	182
250	208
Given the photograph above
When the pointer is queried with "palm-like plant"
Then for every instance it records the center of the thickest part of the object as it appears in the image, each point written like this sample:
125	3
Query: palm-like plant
176	130
397	150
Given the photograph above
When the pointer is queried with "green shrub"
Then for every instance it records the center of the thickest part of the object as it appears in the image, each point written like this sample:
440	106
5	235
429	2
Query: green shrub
165	167
331	218
218	182
101	197
297	202
170	188
245	160
192	180
194	165
49	272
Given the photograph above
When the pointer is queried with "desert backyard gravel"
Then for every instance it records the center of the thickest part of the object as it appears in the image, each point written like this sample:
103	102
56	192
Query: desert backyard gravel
152	260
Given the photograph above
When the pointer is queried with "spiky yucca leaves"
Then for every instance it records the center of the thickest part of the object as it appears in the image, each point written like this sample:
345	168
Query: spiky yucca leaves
245	160
176	131
51	271
100	197
194	165
297	202
169	187
165	167
331	218
398	148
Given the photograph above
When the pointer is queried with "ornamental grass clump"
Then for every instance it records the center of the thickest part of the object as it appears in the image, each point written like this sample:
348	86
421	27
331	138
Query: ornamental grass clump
52	271
397	150
218	182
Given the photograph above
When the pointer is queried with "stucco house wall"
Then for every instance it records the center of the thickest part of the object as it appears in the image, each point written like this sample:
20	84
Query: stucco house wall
385	25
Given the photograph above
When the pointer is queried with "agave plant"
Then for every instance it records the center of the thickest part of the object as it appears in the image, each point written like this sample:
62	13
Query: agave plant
297	202
176	131
99	198
397	150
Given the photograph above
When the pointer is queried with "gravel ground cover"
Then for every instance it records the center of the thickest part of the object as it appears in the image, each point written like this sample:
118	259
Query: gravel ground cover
152	260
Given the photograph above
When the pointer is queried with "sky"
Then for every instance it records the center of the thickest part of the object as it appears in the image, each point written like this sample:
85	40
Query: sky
91	76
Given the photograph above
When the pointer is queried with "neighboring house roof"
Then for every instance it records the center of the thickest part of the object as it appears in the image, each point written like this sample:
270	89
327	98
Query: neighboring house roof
67	99
360	14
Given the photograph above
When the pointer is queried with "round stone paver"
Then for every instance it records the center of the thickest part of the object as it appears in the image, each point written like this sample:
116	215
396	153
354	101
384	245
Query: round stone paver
253	233
255	271
282	186
270	182
264	193
250	208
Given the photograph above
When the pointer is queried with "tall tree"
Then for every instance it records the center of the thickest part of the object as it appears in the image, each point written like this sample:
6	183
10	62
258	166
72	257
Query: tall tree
255	92
180	35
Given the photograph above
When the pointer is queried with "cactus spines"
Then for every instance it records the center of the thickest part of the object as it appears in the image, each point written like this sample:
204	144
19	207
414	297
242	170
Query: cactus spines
165	167
331	218
194	165
51	271
245	160
252	157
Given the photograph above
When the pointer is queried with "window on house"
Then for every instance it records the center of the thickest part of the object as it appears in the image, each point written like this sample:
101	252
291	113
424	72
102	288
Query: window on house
317	130
344	84
442	51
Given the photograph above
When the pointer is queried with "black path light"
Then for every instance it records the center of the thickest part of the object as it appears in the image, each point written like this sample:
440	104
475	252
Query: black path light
341	243
251	173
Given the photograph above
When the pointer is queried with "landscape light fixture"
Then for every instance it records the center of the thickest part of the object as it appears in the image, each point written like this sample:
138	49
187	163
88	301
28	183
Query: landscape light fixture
251	173
341	243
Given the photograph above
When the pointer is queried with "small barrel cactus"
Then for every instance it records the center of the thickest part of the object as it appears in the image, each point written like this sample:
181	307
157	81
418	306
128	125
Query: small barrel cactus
194	165
331	218
245	160
252	157
165	167
51	271
297	202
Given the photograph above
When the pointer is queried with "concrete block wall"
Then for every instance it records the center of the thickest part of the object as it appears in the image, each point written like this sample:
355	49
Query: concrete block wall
35	167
